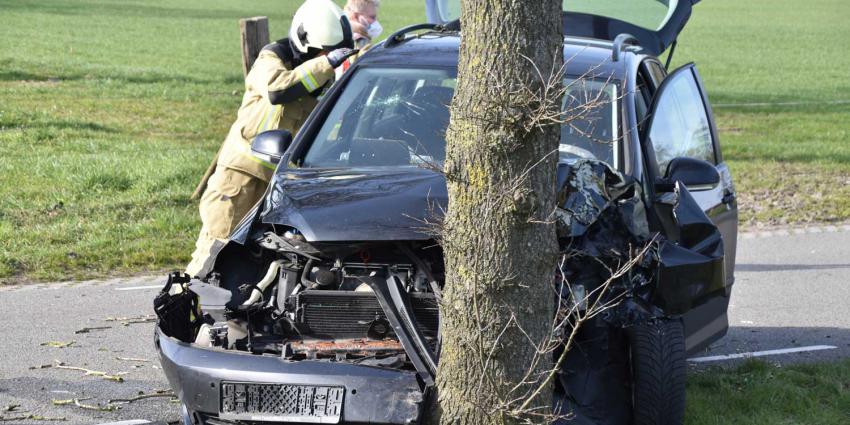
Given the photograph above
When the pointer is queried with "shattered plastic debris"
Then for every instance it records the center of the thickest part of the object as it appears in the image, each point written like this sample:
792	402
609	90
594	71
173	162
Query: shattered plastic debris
603	218
602	224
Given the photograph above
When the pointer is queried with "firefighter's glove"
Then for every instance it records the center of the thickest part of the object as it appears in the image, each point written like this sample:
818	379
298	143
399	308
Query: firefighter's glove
338	56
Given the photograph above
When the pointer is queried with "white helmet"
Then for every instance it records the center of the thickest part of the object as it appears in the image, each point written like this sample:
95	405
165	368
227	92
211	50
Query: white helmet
321	25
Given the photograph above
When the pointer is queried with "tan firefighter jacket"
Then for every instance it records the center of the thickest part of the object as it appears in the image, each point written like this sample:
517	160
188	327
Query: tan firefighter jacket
277	96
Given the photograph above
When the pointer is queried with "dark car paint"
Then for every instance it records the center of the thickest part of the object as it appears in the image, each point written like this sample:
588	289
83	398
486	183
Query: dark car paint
357	204
708	321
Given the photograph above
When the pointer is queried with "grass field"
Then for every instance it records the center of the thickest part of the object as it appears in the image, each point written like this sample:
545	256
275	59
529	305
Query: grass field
759	393
792	161
111	110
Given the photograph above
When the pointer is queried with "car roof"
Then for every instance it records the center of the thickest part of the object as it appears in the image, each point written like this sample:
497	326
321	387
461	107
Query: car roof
440	49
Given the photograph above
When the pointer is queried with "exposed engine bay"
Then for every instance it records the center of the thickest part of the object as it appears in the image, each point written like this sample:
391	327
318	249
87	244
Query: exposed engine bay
327	302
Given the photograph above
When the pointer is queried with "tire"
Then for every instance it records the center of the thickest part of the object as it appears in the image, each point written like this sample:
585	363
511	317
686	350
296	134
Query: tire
659	372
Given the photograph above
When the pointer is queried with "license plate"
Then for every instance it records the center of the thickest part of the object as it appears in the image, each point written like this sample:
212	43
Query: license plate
281	402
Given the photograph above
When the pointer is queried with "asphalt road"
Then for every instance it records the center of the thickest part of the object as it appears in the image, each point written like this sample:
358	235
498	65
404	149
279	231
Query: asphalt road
791	292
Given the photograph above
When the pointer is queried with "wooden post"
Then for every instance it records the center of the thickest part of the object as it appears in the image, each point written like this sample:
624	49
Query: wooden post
254	33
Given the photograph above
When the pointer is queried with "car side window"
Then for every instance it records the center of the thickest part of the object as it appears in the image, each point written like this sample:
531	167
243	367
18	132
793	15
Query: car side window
655	71
680	126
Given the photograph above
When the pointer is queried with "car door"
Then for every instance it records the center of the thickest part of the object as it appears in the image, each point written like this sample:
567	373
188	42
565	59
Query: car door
681	125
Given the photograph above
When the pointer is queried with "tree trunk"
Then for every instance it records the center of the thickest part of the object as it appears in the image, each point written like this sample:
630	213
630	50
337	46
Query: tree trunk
498	238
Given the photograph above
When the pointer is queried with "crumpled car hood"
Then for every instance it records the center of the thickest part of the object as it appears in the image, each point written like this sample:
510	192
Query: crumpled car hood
360	204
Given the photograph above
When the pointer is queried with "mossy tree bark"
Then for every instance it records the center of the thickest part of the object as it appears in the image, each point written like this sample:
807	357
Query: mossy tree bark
498	237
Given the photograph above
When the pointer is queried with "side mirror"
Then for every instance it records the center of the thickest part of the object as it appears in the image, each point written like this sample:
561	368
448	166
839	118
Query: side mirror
270	145
695	174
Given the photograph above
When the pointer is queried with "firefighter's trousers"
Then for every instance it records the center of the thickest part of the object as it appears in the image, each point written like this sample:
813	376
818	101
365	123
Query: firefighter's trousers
230	194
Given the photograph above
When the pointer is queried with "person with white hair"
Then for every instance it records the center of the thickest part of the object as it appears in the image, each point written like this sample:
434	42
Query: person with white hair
363	15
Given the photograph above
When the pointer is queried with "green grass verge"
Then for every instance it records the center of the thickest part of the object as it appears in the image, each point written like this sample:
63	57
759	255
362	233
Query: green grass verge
758	393
109	113
791	162
110	110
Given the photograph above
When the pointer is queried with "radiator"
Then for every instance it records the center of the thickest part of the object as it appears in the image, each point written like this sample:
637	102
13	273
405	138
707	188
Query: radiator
348	314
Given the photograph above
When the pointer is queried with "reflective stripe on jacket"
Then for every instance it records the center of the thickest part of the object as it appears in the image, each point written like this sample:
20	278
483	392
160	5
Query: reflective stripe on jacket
277	96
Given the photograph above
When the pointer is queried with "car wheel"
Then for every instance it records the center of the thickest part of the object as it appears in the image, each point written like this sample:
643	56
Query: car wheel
658	372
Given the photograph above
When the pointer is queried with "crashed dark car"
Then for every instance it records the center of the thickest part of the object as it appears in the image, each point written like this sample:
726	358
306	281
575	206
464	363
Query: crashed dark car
323	307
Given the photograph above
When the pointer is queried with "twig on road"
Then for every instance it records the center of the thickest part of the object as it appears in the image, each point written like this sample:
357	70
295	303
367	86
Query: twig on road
127	321
57	344
95	328
133	322
131	359
31	418
77	402
109	377
43	366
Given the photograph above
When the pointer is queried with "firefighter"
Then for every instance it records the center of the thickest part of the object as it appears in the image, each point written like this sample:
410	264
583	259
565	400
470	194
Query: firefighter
280	91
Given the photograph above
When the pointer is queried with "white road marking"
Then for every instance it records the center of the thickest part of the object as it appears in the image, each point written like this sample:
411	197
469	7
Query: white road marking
134	288
762	353
755	104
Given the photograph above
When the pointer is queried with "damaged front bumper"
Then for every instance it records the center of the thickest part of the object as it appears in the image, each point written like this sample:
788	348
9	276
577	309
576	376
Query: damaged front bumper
231	385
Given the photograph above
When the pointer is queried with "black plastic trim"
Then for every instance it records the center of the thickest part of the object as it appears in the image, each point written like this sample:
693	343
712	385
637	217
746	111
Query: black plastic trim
399	36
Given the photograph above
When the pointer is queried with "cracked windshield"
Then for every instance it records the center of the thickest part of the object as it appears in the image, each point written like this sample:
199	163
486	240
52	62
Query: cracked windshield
398	117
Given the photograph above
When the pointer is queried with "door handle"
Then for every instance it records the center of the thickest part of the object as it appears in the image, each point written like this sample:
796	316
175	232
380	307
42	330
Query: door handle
729	197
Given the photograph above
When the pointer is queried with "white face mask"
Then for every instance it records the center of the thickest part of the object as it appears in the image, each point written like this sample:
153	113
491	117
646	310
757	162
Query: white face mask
373	30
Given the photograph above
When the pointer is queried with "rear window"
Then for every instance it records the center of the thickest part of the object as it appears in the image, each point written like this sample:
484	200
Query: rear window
398	117
649	14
